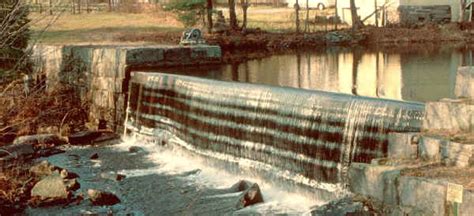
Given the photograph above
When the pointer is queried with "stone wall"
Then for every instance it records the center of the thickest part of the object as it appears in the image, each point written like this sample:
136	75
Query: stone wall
412	15
100	74
404	195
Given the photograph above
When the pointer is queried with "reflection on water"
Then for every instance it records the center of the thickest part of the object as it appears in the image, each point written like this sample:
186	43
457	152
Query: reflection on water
411	76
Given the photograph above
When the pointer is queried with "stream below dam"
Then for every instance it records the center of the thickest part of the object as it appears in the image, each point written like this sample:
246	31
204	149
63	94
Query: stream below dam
292	123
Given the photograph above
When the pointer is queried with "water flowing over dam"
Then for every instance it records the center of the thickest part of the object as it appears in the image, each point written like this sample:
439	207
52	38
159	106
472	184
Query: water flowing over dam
312	133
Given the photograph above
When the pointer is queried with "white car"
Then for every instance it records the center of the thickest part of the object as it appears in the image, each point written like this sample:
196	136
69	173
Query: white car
319	4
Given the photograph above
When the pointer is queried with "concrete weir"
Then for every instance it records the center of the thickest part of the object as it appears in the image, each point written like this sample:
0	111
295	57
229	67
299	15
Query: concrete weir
100	73
315	134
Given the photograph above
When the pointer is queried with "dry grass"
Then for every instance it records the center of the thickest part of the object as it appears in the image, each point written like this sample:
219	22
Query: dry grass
15	184
105	27
22	114
282	19
102	27
462	176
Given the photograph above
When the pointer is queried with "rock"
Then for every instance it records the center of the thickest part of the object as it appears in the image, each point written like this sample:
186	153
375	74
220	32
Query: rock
342	207
40	139
51	190
91	137
251	193
222	201
423	196
449	116
402	145
429	147
72	184
135	149
465	83
338	38
112	176
43	169
94	156
456	154
106	137
21	150
368	179
48	151
102	198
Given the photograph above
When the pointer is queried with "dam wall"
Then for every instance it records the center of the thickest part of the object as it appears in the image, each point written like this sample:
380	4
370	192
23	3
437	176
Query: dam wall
313	133
100	73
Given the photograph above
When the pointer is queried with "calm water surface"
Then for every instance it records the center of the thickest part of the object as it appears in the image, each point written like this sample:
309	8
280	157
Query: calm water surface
423	75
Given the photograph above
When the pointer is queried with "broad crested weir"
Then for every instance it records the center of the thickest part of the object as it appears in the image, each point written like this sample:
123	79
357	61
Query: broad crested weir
313	133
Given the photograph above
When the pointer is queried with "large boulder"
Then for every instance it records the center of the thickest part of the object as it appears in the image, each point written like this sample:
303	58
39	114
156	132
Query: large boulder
250	193
41	139
222	201
50	190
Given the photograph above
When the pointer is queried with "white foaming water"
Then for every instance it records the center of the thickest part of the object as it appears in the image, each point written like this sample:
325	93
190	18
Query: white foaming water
197	172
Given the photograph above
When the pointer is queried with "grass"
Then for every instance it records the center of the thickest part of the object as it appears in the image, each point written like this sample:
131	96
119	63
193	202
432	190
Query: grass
281	19
114	27
100	27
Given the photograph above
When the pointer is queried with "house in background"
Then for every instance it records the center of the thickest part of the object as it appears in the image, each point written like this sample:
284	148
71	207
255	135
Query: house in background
405	12
366	11
437	11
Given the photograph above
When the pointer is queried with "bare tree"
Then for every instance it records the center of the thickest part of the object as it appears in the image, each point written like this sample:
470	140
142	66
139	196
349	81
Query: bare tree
306	22
232	15
110	5
245	5
336	15
356	23
209	8
50	7
73	7
297	18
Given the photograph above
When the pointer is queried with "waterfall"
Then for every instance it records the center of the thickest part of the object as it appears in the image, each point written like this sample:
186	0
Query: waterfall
312	133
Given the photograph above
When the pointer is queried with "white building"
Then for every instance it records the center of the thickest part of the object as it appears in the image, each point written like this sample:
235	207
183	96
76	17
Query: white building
395	11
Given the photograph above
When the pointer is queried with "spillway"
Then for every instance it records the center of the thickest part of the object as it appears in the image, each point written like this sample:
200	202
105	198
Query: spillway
315	134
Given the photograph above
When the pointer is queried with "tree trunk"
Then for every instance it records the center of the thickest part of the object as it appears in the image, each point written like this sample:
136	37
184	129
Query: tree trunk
50	7
232	15
297	18
356	23
245	6
306	24
79	6
73	7
209	16
87	6
462	15
110	5
376	14
336	15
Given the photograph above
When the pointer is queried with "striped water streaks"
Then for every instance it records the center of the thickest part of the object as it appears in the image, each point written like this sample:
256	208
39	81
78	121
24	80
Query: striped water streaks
309	132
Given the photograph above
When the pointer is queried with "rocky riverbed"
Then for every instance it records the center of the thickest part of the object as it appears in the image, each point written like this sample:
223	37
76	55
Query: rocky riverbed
147	179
